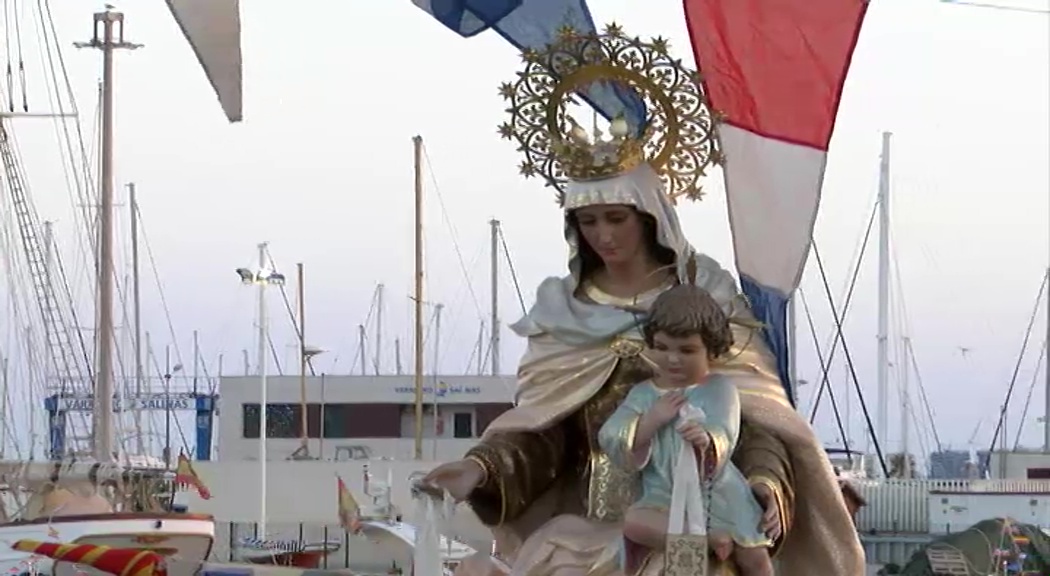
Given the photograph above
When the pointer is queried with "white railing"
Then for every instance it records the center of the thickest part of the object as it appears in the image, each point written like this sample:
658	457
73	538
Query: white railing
903	505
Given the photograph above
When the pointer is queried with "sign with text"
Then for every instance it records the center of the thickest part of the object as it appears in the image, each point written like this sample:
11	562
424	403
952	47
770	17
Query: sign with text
442	390
144	402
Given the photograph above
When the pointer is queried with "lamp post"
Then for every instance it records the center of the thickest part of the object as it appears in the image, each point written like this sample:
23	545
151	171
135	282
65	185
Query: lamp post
262	277
168	371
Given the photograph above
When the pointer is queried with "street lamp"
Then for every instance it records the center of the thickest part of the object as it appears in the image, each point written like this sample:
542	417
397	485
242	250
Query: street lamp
168	371
262	277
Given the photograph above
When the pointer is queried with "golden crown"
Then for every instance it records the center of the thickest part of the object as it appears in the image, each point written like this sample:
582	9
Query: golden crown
679	139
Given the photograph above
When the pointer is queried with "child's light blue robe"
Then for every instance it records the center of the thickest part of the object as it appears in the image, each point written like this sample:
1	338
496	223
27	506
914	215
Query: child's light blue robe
732	508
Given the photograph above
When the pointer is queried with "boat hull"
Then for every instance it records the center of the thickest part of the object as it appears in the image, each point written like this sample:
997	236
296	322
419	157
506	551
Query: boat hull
186	537
309	557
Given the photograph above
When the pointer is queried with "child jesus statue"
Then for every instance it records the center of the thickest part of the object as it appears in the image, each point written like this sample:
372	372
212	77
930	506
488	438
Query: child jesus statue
686	331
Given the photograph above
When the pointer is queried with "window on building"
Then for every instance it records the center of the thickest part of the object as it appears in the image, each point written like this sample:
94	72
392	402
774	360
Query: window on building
336	420
283	420
462	425
362	420
1039	473
250	420
313	420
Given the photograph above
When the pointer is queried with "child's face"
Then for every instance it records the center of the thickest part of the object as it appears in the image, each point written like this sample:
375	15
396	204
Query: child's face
682	361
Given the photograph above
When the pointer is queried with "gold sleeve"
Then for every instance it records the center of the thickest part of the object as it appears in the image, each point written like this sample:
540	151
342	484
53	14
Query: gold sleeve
519	467
763	459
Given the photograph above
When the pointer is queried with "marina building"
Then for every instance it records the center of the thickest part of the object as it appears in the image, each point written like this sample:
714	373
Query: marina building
358	417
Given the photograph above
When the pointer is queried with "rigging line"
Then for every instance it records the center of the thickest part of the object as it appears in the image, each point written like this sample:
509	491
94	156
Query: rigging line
21	60
9	73
909	362
368	318
824	378
831	390
273	353
288	308
452	306
859	246
513	273
920	437
924	397
85	189
166	377
160	287
1017	368
1031	390
55	275
849	363
452	232
81	202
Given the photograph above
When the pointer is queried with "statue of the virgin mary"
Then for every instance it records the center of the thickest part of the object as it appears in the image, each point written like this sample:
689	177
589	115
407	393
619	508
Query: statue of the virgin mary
538	478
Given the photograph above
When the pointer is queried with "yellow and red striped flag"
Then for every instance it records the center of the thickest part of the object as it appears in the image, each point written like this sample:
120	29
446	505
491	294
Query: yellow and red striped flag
116	561
185	475
349	510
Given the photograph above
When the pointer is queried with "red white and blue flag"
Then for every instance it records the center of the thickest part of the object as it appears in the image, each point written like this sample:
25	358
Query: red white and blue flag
775	69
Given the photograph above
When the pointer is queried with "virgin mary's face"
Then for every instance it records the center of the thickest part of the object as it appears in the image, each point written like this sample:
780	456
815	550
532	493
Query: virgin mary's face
614	231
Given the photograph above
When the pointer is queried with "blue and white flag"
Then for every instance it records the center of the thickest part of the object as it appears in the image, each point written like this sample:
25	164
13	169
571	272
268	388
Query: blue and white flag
534	24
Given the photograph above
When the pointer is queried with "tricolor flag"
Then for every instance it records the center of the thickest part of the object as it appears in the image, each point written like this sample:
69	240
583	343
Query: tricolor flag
213	29
185	475
349	510
775	69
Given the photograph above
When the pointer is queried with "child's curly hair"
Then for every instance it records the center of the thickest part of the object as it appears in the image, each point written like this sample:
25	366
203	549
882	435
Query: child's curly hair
685	310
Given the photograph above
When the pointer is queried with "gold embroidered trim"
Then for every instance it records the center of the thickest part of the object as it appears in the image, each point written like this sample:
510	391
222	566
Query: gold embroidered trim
484	468
491	472
629	435
719	445
599	296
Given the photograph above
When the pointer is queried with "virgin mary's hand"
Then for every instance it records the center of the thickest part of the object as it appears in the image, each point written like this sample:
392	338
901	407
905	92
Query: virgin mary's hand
770	523
458	478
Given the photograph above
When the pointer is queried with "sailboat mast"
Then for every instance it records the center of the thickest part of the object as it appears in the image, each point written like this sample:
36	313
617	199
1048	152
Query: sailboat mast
379	330
303	429
137	309
494	344
3	405
102	421
882	414
417	142
1046	343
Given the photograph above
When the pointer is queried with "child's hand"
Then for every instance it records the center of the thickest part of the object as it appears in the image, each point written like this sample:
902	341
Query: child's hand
695	434
665	409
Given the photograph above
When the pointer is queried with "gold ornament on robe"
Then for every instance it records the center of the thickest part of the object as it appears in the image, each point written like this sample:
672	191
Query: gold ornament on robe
678	140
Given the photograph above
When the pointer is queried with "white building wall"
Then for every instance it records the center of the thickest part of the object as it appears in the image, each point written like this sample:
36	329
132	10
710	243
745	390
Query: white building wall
449	394
1016	465
952	512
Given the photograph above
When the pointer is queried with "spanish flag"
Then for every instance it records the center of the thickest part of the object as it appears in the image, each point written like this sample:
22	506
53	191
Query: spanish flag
116	561
349	510
185	475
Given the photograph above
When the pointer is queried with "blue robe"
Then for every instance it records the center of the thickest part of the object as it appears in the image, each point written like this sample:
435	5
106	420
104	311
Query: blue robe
732	508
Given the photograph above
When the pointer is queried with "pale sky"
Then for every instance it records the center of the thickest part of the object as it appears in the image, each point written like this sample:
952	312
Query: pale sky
321	168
